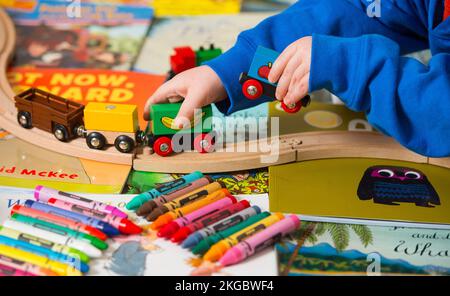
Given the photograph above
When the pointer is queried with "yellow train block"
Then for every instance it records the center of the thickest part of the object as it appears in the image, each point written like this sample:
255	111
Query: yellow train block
111	117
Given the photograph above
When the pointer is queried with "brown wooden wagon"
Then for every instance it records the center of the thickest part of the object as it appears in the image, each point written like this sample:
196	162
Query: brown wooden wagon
43	110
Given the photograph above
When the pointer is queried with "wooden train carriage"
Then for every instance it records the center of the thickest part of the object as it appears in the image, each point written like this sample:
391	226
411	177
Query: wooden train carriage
37	108
162	129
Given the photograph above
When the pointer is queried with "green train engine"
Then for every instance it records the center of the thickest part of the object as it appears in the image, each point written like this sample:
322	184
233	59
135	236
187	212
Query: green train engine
166	139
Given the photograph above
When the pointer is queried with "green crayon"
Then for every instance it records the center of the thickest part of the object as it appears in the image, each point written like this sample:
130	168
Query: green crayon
96	242
37	241
203	246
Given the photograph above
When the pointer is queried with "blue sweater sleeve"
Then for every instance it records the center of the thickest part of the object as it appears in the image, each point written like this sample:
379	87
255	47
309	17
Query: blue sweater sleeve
344	18
402	97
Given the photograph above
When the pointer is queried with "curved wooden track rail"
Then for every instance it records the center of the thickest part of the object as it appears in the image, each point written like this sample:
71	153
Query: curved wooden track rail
292	148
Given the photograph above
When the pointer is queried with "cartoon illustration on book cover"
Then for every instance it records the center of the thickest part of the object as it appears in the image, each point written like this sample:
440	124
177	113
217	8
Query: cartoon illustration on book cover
392	185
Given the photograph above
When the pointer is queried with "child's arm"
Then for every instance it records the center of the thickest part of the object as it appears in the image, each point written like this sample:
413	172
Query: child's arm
344	18
402	97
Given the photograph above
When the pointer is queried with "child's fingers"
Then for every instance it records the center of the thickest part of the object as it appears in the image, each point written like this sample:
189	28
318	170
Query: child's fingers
161	95
286	77
297	90
280	63
187	109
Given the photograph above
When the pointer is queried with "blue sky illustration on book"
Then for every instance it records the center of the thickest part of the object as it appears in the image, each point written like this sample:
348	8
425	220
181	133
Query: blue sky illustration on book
407	251
325	252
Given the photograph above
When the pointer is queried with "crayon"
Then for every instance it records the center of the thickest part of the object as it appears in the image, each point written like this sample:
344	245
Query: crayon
37	241
25	266
58	267
180	212
124	225
42	194
207	220
6	270
165	188
218	249
150	205
96	242
58	220
103	226
202	247
55	237
196	237
260	241
184	200
169	229
76	263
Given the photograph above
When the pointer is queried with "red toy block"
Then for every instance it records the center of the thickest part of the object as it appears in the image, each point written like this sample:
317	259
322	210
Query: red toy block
183	59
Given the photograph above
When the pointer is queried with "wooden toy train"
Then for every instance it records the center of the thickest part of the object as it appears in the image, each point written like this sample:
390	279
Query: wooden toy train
104	124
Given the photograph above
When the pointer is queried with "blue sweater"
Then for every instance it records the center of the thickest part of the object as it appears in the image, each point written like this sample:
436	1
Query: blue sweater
359	59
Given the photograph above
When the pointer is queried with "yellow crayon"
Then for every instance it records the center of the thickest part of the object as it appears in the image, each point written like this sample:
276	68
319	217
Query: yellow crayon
58	267
220	248
180	212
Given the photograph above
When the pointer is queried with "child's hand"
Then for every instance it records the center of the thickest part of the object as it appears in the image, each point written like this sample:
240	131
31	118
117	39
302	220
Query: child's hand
198	86
291	70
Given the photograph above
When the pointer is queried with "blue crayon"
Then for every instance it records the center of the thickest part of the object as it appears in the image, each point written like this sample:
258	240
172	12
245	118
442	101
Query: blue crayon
193	239
107	228
22	245
165	188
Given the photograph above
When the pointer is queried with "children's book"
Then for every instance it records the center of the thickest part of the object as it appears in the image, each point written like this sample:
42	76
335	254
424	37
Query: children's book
25	165
164	8
319	116
79	34
83	86
349	249
146	254
363	191
194	31
245	182
266	5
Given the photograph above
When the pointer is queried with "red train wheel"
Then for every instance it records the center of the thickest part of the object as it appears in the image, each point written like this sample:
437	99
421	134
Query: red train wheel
291	109
204	143
252	89
163	146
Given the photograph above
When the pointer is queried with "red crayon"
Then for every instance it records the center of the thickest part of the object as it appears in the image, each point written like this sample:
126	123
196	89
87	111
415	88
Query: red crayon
205	221
124	225
58	220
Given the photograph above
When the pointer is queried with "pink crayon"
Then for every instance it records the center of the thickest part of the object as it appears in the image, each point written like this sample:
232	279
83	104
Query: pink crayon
122	224
43	194
6	270
170	229
13	265
260	240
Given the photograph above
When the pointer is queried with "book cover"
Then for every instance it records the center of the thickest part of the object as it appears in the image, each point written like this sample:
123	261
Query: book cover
25	165
85	85
349	249
164	8
371	191
319	116
81	34
245	182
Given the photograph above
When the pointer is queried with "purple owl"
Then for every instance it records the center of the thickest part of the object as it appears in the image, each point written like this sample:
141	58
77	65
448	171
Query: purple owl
392	185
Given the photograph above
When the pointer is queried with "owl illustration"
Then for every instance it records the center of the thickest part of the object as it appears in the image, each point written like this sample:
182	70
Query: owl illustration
392	185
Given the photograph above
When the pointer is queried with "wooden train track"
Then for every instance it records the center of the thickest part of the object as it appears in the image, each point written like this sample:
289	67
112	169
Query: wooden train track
291	148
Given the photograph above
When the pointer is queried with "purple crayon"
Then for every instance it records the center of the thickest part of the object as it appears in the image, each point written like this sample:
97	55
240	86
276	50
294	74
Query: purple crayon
43	194
260	240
